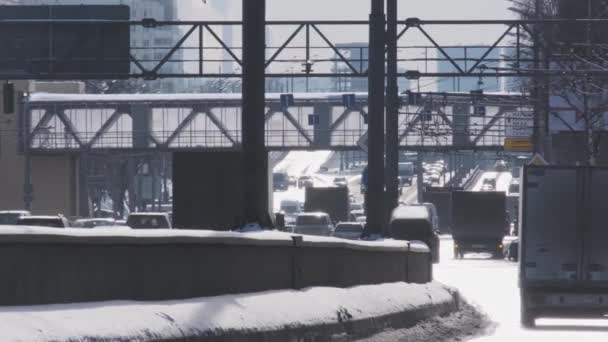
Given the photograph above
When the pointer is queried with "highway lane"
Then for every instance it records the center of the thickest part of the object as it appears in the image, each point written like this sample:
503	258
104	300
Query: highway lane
492	286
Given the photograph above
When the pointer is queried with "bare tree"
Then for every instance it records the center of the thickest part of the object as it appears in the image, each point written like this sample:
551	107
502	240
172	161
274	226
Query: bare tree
578	50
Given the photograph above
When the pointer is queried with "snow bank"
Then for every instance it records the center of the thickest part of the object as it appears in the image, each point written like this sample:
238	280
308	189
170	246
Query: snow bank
244	313
151	236
298	163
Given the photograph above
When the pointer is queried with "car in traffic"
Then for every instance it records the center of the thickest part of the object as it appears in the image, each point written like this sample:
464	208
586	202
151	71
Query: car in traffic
433	214
10	217
361	219
349	230
313	224
501	166
414	223
293	181
406	173
355	214
435	177
305	182
513	188
487	187
357	206
340	181
94	223
489	181
149	221
57	221
291	207
280	181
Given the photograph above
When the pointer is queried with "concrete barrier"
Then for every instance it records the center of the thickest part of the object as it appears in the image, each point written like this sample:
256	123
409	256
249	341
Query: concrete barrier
48	266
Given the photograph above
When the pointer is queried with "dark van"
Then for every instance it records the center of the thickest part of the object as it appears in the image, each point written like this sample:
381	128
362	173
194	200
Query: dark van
415	223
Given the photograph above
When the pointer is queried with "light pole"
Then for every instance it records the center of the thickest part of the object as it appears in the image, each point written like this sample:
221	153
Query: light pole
392	108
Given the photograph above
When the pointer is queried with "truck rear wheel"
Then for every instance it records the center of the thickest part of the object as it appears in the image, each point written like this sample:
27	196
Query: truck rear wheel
527	319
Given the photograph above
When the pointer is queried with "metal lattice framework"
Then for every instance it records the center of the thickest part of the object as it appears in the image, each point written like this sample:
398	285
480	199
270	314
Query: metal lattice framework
200	51
434	121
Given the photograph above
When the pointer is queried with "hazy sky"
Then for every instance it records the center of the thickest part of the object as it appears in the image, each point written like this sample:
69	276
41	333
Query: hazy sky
359	10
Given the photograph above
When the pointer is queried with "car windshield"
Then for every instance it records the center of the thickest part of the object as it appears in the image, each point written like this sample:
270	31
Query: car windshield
54	223
406	169
290	208
147	222
9	219
279	177
349	228
311	220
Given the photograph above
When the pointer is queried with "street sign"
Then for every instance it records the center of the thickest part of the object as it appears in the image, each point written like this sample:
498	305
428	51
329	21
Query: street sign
518	144
58	49
519	125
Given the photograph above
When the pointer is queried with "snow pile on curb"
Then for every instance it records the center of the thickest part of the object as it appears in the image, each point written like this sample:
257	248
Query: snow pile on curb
214	316
252	235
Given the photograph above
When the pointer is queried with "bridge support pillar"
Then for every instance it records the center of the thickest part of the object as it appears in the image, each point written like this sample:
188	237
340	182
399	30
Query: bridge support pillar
322	134
254	155
460	124
375	193
142	125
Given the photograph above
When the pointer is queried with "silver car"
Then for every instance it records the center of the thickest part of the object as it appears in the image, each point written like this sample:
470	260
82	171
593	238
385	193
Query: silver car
349	230
313	224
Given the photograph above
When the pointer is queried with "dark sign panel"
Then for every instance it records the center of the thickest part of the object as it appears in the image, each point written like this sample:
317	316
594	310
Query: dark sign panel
93	49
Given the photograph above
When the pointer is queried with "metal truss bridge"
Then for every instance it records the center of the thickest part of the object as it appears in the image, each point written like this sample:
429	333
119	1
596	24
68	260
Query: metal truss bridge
427	121
305	49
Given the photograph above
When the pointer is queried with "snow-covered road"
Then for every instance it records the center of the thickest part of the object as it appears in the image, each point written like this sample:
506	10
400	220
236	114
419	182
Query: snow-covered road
492	286
298	163
503	179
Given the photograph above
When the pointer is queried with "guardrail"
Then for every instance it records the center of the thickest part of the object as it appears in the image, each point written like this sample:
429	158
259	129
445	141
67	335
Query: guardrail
472	179
48	266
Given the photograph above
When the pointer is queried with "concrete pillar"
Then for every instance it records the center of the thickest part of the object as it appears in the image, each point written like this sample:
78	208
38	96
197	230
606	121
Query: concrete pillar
375	192
142	125
254	169
322	135
460	121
